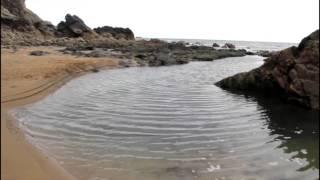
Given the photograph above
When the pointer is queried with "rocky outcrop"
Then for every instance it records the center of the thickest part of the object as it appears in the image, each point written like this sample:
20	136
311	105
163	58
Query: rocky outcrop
292	74
19	24
154	52
264	53
229	45
117	32
73	26
215	45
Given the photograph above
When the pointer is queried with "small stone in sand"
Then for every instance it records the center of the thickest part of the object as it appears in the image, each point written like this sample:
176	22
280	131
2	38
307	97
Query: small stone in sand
38	53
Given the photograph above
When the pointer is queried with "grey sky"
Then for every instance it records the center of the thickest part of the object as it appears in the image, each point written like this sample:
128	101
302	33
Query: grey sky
252	20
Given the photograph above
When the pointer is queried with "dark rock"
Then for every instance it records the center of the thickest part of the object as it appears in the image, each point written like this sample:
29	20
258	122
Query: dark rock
229	45
116	32
141	56
177	45
73	26
46	27
292	73
250	53
203	57
215	45
39	53
95	70
158	41
264	53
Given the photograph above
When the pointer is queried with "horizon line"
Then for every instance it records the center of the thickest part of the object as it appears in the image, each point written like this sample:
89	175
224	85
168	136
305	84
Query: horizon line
262	41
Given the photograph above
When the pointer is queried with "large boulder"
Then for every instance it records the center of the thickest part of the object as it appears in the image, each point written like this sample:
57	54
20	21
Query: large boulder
292	73
73	26
115	32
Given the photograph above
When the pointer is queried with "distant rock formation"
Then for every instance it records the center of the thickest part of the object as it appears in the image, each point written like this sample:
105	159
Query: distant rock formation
215	45
229	45
19	24
292	73
115	32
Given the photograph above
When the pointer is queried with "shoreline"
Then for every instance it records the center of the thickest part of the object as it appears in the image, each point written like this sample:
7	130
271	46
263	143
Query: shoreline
18	154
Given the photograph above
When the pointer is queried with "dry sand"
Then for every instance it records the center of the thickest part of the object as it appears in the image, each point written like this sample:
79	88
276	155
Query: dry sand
26	79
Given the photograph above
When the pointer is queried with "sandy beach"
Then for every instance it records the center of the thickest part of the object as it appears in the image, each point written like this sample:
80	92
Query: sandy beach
24	80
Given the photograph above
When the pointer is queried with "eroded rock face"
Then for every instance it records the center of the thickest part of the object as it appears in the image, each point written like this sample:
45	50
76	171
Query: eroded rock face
292	73
19	24
115	32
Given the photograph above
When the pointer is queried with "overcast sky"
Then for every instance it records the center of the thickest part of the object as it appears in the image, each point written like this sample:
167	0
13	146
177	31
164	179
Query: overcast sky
252	20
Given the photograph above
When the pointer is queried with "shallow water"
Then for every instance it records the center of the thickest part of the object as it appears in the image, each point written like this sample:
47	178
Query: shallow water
173	123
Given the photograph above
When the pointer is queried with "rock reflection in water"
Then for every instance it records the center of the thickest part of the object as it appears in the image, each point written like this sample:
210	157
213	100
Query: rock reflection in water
296	128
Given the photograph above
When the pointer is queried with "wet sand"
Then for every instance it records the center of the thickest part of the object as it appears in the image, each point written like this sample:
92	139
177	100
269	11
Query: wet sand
24	80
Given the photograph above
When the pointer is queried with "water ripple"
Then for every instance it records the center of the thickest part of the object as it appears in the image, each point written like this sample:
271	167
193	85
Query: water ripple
167	113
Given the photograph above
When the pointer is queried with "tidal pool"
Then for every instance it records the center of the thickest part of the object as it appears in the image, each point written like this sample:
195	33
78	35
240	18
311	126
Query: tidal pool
173	123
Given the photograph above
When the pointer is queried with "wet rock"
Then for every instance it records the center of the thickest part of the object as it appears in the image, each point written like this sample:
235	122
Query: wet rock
292	74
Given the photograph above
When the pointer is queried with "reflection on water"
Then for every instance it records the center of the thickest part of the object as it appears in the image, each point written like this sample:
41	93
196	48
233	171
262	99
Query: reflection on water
296	128
172	123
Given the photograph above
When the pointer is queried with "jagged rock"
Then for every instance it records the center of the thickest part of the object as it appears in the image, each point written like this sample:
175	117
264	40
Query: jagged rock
73	26
117	32
19	25
292	73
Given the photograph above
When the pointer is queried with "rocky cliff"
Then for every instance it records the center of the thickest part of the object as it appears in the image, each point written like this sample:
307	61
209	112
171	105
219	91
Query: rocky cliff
292	74
19	24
